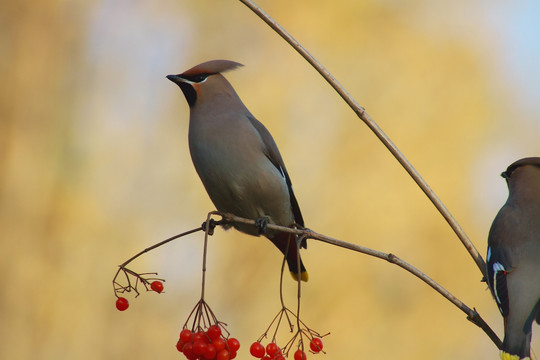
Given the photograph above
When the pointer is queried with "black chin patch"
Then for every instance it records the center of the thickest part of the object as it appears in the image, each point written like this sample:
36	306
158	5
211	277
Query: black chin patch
189	93
187	86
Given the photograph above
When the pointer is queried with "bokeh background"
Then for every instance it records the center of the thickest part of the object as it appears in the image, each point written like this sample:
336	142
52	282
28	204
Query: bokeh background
94	166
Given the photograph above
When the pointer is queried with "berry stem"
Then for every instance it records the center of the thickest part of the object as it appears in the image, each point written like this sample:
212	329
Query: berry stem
207	227
298	278
281	275
283	307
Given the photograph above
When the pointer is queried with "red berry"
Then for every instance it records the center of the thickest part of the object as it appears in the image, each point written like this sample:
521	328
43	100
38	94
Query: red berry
210	352
316	345
201	335
279	357
199	347
257	350
223	355
186	335
272	349
122	303
213	332
188	350
232	354
179	345
266	357
300	355
157	286
219	343
234	345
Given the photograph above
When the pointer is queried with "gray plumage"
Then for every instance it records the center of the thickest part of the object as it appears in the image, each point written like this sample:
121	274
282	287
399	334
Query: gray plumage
236	157
513	257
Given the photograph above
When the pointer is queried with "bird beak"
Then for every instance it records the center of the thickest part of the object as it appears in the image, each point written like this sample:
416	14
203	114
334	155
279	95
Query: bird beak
177	79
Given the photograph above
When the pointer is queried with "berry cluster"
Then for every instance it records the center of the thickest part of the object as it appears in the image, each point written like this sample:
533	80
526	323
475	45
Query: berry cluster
207	345
274	352
122	303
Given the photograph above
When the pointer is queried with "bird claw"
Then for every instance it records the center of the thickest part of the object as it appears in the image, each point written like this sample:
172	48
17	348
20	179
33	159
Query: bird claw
211	226
261	223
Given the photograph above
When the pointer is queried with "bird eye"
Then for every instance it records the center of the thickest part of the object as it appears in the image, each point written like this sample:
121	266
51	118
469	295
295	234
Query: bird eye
200	78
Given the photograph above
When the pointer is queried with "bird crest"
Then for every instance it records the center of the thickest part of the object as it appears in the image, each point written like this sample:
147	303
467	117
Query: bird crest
212	67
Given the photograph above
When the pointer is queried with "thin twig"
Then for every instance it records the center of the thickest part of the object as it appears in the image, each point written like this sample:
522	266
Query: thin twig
472	314
363	115
125	263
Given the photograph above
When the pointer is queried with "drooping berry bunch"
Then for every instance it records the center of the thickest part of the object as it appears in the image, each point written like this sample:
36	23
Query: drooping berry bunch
273	352
204	337
133	281
207	345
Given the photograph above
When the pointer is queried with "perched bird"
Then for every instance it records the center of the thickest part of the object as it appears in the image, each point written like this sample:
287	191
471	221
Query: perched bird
513	257
237	159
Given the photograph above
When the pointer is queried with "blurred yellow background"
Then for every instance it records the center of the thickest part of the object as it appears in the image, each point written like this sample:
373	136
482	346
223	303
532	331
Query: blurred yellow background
94	166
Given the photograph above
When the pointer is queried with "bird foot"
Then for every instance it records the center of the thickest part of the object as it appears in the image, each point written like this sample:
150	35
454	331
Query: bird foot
211	226
261	223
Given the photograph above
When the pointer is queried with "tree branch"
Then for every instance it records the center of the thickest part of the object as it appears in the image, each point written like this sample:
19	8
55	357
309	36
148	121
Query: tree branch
363	115
472	314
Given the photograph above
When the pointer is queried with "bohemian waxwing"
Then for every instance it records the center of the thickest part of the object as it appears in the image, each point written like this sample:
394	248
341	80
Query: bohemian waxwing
237	159
513	257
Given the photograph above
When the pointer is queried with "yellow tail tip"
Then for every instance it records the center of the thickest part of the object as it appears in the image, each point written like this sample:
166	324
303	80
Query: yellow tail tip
506	356
304	276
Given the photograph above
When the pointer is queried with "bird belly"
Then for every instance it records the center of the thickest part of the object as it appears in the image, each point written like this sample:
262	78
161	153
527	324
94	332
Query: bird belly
246	187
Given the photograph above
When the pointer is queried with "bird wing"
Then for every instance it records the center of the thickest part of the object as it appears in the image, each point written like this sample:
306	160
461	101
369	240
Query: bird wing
497	272
272	152
499	260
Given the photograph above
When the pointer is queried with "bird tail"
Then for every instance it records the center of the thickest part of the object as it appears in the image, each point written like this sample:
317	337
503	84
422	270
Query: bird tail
507	356
286	243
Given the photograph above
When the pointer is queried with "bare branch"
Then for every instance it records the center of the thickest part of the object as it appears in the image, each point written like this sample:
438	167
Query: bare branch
472	314
363	115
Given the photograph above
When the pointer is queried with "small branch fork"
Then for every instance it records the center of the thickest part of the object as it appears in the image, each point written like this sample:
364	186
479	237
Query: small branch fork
302	330
364	116
133	280
202	317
